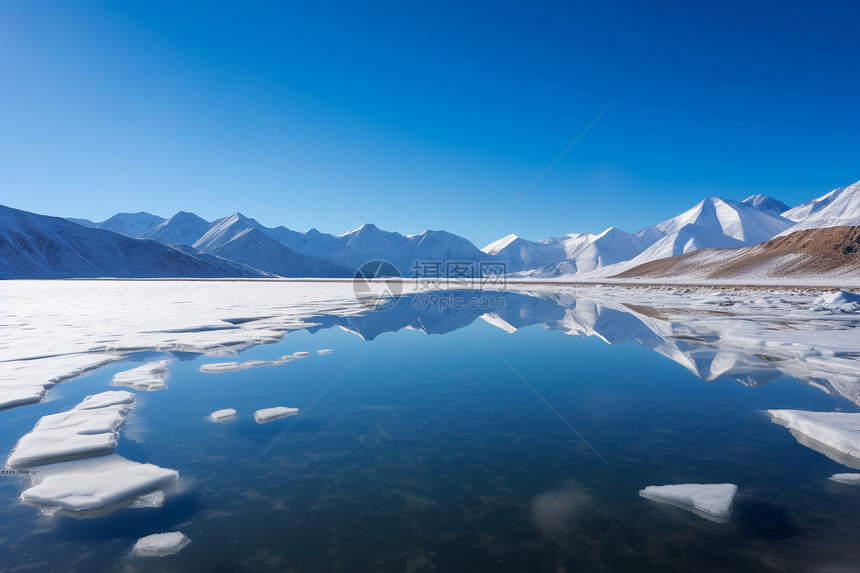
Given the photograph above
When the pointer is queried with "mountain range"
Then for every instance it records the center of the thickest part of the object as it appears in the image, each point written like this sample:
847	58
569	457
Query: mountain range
186	245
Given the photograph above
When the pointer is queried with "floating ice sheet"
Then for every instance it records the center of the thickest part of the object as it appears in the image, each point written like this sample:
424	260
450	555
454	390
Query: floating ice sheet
27	381
324	351
160	544
221	367
94	484
147	377
301	354
839	431
89	429
222	415
709	500
850	479
55	330
272	414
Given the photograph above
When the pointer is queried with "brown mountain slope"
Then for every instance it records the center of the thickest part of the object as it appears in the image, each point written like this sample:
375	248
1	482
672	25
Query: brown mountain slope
832	252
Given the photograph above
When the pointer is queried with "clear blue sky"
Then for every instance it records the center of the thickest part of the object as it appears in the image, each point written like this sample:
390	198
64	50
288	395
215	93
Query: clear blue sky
425	115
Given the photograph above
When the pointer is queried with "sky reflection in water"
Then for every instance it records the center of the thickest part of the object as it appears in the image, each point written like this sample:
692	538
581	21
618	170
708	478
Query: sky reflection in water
497	446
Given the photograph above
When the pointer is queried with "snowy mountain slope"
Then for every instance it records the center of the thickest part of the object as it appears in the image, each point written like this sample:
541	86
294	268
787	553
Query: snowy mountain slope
732	218
444	246
36	246
571	244
521	254
368	243
181	229
808	253
237	238
713	222
805	210
766	204
131	224
840	207
588	252
609	247
312	242
689	238
82	222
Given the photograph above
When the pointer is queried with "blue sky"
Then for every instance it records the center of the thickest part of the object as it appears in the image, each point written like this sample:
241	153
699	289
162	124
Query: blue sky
425	115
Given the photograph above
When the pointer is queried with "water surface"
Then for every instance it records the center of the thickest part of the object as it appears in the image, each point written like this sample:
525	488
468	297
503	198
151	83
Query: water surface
495	444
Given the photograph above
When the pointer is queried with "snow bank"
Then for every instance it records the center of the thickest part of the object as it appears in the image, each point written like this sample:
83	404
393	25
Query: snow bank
93	484
160	544
712	500
90	429
850	479
839	431
840	300
272	414
147	377
222	415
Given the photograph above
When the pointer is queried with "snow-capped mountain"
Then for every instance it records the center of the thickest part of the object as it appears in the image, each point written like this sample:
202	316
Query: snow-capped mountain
369	242
687	239
237	238
821	253
444	246
766	204
181	229
312	242
521	254
37	246
732	218
587	252
839	208
713	222
82	222
131	224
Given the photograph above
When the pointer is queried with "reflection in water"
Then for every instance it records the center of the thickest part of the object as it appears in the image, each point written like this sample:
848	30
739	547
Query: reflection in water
752	341
443	460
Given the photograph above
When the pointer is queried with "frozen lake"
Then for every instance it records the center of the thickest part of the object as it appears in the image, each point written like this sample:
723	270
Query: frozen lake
453	431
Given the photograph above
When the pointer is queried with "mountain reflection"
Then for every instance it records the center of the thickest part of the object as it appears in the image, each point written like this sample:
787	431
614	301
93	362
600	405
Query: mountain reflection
712	343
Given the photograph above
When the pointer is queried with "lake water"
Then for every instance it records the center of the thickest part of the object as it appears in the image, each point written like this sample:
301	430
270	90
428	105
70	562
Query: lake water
517	442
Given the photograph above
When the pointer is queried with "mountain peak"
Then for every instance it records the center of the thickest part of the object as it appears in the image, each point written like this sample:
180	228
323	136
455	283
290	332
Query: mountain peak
497	245
766	203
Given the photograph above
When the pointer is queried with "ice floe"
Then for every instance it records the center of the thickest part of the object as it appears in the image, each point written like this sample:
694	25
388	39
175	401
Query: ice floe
51	331
221	367
147	377
850	479
222	415
838	431
27	381
94	484
301	354
324	351
712	501
160	544
89	429
154	499
272	414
